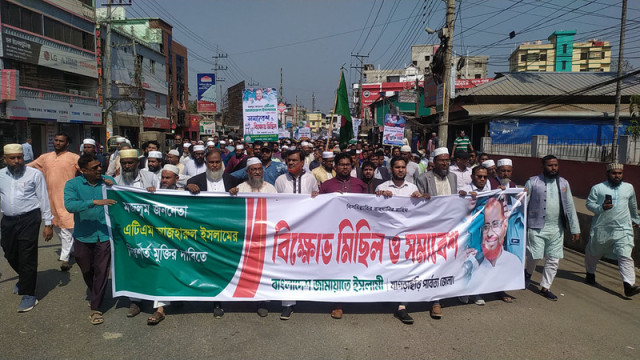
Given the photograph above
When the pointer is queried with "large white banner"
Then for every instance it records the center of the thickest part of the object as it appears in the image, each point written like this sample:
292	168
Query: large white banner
346	248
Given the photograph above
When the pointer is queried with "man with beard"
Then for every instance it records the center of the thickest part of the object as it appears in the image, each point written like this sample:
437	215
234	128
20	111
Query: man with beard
196	164
154	163
214	179
308	154
272	169
438	181
399	187
186	152
147	147
503	179
550	205
317	161
296	181
173	158
613	203
255	182
497	261
326	171
368	171
461	169
236	163
131	175
413	170
58	167
21	214
83	198
492	170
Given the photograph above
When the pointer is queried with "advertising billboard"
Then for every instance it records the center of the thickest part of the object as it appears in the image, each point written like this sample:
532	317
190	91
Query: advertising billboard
260	114
206	93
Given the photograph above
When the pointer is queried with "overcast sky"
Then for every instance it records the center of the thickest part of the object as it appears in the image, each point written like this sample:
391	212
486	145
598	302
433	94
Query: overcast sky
311	39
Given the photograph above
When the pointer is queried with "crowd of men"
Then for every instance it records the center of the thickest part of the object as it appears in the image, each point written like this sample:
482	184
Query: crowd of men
64	190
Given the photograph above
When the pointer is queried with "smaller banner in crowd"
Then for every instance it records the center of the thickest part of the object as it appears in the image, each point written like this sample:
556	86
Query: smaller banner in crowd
393	130
171	245
260	114
356	126
304	133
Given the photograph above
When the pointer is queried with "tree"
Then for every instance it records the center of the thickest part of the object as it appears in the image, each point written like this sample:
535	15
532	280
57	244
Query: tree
626	66
634	110
193	107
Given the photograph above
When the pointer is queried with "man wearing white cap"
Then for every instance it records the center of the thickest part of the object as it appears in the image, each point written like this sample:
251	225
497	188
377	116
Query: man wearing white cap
211	146
169	177
89	146
186	155
114	165
503	179
308	154
196	164
326	171
234	163
439	181
615	209
58	167
492	170
173	158
413	169
22	212
550	208
154	163
131	175
255	181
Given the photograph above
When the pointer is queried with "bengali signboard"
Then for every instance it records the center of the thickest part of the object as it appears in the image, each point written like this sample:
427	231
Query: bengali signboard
364	248
34	108
393	129
304	133
206	93
36	50
260	114
207	127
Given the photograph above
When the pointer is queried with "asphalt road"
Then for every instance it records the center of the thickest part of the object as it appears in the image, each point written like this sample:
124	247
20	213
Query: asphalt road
586	323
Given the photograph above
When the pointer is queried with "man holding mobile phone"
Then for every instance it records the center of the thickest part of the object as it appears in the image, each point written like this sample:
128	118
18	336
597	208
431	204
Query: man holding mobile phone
613	203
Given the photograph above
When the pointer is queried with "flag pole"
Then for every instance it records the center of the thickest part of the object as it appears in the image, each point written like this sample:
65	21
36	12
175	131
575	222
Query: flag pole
335	102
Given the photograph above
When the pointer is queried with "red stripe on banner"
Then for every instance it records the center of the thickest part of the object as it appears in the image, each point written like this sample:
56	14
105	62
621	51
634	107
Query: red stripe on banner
254	256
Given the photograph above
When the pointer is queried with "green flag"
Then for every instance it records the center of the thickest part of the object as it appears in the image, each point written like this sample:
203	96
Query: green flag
342	109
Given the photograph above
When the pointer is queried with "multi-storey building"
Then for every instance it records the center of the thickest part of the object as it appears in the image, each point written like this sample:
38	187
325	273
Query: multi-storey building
561	54
467	67
51	47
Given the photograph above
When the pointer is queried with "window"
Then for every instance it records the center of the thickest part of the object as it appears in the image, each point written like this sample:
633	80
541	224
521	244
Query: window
67	34
564	65
153	66
427	58
21	18
477	65
564	48
543	57
414	63
523	58
478	76
602	55
583	55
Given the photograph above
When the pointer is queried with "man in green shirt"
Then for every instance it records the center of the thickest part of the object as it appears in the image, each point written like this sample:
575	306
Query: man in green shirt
83	198
462	143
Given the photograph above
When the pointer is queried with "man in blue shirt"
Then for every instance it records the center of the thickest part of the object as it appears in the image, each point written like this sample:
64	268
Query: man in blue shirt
83	198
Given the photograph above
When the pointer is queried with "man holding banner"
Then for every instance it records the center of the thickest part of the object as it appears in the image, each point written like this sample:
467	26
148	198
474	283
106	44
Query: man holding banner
83	198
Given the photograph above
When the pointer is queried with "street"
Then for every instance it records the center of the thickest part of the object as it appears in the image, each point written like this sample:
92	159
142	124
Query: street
586	322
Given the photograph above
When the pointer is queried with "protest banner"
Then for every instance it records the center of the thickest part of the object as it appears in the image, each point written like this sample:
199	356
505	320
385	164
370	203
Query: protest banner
260	114
171	245
393	129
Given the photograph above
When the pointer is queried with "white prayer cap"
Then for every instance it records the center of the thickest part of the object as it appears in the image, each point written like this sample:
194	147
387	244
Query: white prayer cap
358	151
304	143
174	169
155	154
252	161
337	148
405	148
327	155
120	139
292	147
89	142
505	162
186	145
200	142
210	139
223	142
210	143
198	148
615	166
13	149
239	147
285	147
440	151
128	154
174	152
488	163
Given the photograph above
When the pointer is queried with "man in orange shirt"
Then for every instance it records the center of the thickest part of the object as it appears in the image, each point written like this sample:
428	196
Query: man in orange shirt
58	167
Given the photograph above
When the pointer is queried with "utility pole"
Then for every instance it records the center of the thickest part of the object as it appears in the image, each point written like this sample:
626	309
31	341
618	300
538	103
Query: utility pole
218	80
106	70
252	84
359	94
138	99
281	85
313	102
616	113
295	113
443	128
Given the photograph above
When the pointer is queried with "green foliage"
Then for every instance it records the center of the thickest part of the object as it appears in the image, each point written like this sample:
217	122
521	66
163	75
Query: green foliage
634	108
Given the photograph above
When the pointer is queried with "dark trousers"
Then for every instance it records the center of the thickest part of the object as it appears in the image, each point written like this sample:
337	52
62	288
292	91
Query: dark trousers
20	245
93	260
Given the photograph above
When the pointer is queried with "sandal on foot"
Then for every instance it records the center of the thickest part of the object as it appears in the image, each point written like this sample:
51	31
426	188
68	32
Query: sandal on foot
155	318
96	318
507	299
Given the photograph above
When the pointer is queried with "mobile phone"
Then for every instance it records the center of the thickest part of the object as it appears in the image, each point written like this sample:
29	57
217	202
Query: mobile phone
607	199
